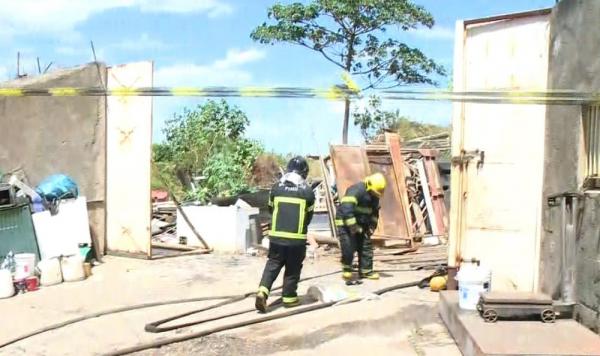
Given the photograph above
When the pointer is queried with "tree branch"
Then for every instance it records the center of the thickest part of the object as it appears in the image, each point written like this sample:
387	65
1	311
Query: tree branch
322	52
324	29
338	20
381	65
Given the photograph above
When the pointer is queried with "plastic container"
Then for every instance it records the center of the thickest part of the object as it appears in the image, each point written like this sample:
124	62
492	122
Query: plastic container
72	268
24	265
472	281
32	283
50	272
7	288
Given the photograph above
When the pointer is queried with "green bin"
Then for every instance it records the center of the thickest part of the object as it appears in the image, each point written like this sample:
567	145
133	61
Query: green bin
16	231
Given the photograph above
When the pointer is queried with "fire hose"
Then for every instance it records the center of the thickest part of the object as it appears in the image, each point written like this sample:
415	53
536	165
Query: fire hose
227	299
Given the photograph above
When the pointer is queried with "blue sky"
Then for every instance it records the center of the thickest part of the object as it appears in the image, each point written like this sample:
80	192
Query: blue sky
206	42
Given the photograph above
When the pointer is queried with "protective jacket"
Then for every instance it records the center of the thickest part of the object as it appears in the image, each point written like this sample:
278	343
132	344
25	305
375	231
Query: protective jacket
360	207
291	204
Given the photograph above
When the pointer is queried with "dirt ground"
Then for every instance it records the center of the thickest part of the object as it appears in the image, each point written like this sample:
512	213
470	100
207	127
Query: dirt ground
403	322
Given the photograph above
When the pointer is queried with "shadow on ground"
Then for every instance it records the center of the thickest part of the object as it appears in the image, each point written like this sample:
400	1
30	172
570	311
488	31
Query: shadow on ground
411	319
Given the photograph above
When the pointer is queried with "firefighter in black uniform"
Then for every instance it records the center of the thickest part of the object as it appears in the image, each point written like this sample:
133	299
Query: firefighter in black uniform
356	220
291	203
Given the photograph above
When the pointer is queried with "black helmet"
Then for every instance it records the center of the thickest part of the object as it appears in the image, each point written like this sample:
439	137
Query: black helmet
298	165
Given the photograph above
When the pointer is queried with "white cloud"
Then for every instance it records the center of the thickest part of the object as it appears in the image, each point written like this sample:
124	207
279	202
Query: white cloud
143	42
237	57
213	8
57	17
226	71
435	33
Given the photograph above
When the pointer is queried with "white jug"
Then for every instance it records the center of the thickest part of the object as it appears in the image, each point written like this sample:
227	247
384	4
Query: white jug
25	265
50	272
72	268
7	288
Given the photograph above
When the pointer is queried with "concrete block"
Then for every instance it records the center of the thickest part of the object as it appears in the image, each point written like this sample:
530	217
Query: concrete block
476	337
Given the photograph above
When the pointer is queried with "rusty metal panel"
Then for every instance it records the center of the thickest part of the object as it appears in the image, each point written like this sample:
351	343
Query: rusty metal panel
392	222
350	165
436	189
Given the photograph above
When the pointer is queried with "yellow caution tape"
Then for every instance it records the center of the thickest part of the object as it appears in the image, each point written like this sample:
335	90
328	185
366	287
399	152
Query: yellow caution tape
63	92
349	90
11	92
334	93
257	92
125	91
187	92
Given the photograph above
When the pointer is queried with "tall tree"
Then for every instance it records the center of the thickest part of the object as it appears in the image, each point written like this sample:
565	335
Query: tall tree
351	35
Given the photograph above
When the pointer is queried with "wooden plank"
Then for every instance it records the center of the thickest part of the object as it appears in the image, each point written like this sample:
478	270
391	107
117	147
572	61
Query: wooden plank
393	142
129	140
176	247
436	189
427	195
329	199
394	243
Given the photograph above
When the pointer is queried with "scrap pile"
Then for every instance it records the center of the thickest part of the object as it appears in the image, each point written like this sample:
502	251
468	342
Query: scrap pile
425	192
412	208
164	222
44	234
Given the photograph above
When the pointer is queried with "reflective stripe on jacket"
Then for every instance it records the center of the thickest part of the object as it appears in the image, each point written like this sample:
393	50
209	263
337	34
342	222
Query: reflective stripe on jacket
292	207
358	206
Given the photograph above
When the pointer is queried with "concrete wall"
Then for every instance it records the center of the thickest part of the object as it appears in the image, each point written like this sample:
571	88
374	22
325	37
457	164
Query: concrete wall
574	64
48	135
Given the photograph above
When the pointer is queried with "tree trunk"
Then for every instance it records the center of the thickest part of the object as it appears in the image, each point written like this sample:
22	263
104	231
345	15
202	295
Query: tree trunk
346	121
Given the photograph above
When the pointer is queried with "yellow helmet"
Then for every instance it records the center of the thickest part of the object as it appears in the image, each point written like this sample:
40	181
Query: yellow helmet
375	183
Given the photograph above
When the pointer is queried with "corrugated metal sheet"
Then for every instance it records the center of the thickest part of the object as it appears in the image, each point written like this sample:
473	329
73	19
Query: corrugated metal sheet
16	231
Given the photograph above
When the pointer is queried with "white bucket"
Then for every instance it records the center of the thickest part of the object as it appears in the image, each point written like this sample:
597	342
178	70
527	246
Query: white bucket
72	268
24	265
472	281
50	272
7	288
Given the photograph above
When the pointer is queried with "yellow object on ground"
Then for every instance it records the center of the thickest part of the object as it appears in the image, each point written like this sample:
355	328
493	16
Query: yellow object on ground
438	283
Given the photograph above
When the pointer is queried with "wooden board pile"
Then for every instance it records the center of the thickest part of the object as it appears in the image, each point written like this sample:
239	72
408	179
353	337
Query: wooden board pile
413	204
